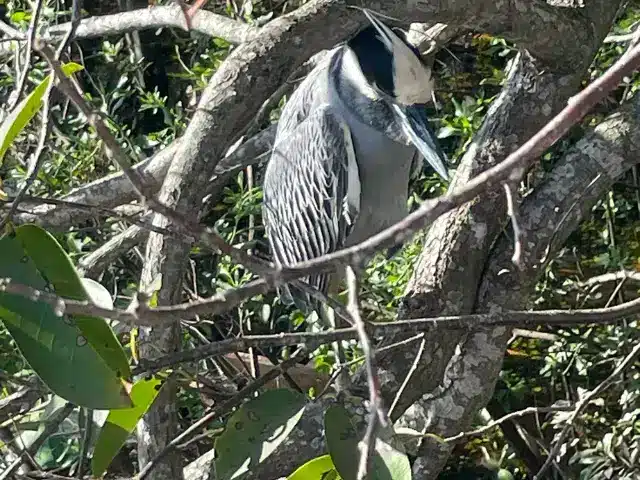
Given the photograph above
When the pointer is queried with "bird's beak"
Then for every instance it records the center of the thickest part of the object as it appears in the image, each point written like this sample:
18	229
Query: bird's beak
416	126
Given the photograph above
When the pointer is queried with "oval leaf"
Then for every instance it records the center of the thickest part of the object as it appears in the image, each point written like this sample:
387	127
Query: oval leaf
389	463
342	438
256	429
342	441
97	293
53	346
55	266
320	468
120	424
22	114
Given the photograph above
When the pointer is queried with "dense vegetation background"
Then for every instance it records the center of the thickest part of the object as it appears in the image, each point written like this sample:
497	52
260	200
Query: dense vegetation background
146	86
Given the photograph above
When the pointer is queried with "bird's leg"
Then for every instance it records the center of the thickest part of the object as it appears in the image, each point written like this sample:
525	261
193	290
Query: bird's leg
185	12
195	7
189	12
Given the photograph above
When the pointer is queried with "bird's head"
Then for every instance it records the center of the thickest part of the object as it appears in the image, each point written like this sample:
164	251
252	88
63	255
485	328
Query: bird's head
391	65
386	66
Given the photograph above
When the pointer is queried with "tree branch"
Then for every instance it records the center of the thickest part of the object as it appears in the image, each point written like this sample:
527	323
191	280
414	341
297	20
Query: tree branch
204	22
115	189
482	352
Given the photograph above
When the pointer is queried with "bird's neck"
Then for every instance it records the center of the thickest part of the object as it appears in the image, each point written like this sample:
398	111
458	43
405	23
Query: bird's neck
358	96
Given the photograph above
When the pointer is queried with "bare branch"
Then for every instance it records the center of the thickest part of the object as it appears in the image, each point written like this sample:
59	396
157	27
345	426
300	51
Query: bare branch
610	277
377	415
510	416
30	37
91	264
204	22
549	318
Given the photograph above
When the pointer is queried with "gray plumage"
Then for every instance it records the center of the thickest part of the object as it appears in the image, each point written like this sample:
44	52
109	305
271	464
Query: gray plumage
345	150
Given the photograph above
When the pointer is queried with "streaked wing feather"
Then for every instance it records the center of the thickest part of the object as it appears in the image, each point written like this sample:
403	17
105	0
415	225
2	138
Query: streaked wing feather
304	208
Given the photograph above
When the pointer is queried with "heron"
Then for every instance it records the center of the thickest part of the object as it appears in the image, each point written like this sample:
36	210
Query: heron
348	141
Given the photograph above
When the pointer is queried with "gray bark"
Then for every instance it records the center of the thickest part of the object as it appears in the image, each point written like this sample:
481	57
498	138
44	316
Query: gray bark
548	216
452	264
446	279
529	99
451	267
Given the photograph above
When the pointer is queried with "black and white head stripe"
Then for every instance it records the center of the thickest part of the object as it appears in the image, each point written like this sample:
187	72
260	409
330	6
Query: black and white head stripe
391	64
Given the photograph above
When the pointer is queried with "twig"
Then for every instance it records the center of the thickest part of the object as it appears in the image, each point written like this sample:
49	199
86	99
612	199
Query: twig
610	277
204	22
38	158
377	416
359	359
627	37
414	366
565	318
583	402
512	212
519	332
222	409
86	441
219	303
92	263
501	420
72	27
30	37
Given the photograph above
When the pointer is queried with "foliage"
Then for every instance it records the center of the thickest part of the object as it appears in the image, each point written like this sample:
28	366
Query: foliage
147	103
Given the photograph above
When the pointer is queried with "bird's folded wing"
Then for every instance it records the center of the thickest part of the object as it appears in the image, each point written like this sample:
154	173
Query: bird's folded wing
311	190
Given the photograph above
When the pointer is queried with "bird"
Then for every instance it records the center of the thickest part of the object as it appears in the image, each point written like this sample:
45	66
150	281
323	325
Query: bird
348	141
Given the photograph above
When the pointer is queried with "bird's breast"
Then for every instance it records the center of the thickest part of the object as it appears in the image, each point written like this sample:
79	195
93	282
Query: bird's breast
384	168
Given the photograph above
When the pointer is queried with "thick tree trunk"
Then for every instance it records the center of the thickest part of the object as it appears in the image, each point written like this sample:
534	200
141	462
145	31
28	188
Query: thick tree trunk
452	264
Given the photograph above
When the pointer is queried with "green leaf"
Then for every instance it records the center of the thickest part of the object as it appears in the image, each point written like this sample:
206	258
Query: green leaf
97	293
320	468
389	463
504	474
255	430
52	345
22	114
55	266
447	131
120	424
342	441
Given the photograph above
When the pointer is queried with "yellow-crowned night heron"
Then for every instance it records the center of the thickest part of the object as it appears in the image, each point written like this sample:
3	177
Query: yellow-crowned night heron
345	149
